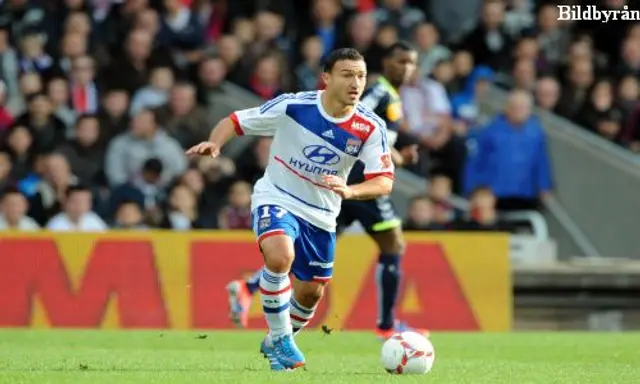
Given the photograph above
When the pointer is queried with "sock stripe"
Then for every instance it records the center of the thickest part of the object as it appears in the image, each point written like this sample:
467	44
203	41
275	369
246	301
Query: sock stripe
273	293
279	309
299	319
273	279
300	308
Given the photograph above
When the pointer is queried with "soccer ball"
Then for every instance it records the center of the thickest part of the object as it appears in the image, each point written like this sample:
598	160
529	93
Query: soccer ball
408	353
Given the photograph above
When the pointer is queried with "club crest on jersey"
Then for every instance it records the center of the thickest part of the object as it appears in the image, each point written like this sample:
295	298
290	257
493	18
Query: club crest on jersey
264	223
353	146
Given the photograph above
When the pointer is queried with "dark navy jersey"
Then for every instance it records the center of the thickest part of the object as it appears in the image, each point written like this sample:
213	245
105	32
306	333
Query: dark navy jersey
383	99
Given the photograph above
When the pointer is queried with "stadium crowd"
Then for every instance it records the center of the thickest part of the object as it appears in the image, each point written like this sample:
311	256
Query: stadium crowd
99	99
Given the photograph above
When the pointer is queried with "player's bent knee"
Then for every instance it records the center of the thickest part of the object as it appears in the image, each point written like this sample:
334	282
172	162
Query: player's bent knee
278	253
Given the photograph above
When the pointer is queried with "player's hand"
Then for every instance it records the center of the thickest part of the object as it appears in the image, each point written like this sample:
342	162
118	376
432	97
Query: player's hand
410	154
338	186
205	148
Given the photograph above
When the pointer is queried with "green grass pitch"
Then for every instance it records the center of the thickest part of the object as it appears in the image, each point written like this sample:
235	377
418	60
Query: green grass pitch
119	357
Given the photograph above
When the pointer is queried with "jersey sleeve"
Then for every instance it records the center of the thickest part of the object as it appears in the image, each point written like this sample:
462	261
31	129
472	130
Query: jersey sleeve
262	120
376	155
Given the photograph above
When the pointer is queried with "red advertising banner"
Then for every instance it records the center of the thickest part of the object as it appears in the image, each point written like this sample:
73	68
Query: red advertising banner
176	281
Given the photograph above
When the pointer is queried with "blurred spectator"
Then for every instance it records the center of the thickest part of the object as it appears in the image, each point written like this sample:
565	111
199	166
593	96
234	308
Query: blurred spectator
5	170
237	214
33	58
421	215
18	142
129	216
156	93
231	50
308	72
48	131
29	83
267	78
211	75
327	23
519	173
58	92
84	152
628	93
553	37
630	60
51	191
181	29
609	125
484	215
463	66
128	151
489	42
113	115
599	103
13	209
209	195
575	92
219	174
268	37
72	47
403	17
77	214
253	165
362	33
182	118
9	67
430	51
444	74
547	93
524	75
85	97
182	213
465	108
453	18
147	191
6	119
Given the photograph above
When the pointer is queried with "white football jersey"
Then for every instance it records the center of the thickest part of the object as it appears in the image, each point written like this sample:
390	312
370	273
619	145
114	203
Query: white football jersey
307	144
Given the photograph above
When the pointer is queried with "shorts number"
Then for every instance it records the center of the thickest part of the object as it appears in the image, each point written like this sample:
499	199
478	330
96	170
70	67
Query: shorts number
266	212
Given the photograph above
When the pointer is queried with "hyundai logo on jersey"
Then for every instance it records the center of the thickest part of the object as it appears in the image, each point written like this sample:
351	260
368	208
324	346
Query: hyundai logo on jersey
321	155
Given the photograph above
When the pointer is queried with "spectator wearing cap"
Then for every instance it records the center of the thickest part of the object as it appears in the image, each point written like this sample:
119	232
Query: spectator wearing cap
128	151
13	211
84	152
519	173
48	131
77	214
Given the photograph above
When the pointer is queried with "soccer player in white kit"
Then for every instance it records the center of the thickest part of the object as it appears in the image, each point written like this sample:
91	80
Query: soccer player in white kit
317	138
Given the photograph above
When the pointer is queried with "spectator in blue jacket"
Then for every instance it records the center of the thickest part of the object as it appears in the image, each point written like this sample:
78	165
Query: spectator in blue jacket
510	156
464	104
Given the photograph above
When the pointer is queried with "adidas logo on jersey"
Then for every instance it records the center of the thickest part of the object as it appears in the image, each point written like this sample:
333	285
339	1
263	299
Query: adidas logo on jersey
328	134
361	127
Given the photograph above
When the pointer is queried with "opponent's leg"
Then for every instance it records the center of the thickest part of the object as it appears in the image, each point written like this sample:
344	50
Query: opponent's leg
304	301
388	278
240	294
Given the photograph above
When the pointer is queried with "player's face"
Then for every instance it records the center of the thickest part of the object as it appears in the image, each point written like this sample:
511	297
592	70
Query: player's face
347	80
399	67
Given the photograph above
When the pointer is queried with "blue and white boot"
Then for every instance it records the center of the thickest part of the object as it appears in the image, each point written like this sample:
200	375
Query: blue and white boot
269	353
287	352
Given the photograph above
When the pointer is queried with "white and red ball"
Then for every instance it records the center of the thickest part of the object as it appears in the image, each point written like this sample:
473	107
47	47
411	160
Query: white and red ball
408	353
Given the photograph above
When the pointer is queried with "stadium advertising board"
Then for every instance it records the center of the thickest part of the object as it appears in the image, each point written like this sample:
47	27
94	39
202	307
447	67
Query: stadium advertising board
168	280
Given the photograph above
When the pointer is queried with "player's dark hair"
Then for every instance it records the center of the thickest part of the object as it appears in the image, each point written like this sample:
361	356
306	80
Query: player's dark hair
341	54
401	46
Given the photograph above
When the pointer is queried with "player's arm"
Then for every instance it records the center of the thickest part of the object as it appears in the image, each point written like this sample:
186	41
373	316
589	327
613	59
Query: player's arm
378	172
259	121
